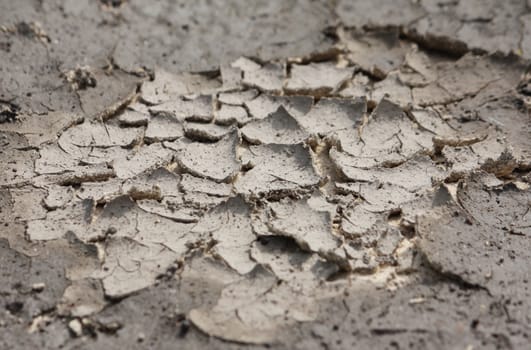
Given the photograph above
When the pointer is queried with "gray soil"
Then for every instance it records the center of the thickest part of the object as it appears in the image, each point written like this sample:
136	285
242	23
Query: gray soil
295	174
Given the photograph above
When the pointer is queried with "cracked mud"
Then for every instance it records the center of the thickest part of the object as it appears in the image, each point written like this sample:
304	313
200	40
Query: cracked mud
285	174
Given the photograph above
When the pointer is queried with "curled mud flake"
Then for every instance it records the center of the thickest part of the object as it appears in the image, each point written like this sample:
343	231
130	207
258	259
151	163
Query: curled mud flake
237	98
133	117
264	105
53	160
131	266
39	129
191	184
269	78
392	89
379	197
163	128
301	270
359	86
229	225
205	132
168	232
356	221
82	298
98	134
317	79
145	158
455	141
106	155
198	109
430	120
380	13
279	127
76	176
254	310
228	114
377	53
332	114
311	229
416	174
169	87
277	170
113	91
388	139
245	64
73	218
118	218
166	181
216	161
171	207
100	192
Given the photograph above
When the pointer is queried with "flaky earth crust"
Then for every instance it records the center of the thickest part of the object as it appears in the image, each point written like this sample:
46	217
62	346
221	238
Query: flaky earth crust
292	174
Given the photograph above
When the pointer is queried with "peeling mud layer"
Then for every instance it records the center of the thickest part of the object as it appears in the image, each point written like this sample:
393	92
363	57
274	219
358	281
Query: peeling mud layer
341	174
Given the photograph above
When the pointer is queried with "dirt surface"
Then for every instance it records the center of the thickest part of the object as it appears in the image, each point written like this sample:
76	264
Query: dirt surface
269	174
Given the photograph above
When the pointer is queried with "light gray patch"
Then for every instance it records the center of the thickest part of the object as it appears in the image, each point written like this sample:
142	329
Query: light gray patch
392	89
379	13
237	98
377	53
264	105
216	161
206	132
229	225
196	109
331	114
170	87
39	129
131	266
113	91
268	78
405	175
163	128
133	117
72	218
229	114
98	134
277	169
145	158
317	79
279	127
388	139
191	184
311	229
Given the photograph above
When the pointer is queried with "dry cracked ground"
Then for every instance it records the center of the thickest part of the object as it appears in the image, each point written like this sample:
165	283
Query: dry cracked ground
266	174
